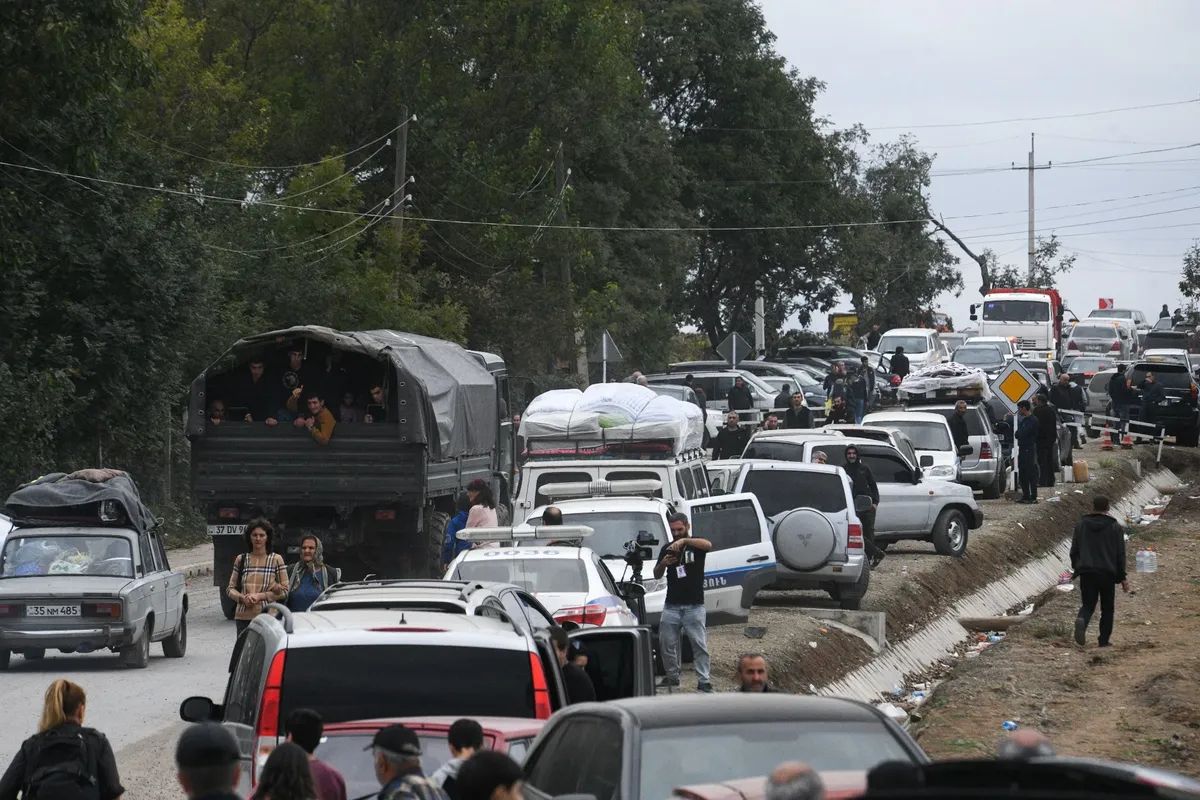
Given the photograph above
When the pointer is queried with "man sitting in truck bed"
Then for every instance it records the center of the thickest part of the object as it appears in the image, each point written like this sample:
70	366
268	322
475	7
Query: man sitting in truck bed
318	420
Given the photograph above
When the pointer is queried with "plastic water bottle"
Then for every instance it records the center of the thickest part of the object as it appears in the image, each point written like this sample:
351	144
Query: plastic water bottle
1141	559
1009	725
1151	560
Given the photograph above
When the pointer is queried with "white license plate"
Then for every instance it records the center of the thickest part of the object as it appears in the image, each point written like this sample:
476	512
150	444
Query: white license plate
226	530
52	611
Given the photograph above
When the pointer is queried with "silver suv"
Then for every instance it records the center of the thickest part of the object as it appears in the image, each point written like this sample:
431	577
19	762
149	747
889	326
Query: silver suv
409	648
982	468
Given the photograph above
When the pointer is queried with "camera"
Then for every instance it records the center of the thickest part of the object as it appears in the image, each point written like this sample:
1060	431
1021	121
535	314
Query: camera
640	550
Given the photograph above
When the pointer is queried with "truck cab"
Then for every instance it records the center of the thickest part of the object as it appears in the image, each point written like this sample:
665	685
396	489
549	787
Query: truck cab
1033	316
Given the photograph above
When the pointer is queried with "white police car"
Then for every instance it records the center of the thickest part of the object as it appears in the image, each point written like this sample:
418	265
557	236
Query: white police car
571	582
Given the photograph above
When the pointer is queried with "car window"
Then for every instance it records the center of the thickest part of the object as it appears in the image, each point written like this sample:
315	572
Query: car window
1016	311
557	477
531	574
887	468
1165	339
975	423
979	356
537	614
780	490
924	435
159	552
600	771
687	484
517	749
350	754
31	556
775	450
553	768
1087	364
613	529
422	680
1099	384
241	705
911	344
635	475
727	525
1093	332
1171	376
148	564
700	475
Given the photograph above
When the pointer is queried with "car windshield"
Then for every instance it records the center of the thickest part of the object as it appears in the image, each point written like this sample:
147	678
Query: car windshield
614	529
1169	376
1093	332
1084	364
924	435
911	344
979	356
718	753
531	574
27	556
1016	311
350	754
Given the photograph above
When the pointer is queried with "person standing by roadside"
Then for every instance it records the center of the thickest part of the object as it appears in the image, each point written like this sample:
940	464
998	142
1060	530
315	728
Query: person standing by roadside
798	415
732	439
1119	396
483	505
310	575
869	373
784	398
1153	395
958	425
259	575
1047	419
682	561
464	738
858	395
63	760
752	674
1027	452
900	366
304	727
1098	560
286	775
862	482
208	762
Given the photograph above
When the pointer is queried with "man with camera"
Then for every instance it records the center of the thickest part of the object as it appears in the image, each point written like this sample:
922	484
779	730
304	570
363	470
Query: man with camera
682	561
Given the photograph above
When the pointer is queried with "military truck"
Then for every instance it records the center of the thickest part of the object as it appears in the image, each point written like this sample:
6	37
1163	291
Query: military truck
379	495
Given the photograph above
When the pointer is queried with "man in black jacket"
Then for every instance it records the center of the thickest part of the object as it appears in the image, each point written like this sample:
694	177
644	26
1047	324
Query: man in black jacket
798	415
739	397
900	365
873	337
1047	419
752	674
1098	560
784	398
1119	396
1066	396
1027	462
732	439
577	683
1153	395
958	425
862	481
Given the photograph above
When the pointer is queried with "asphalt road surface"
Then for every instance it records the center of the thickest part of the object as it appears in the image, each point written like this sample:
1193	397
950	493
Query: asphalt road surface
138	709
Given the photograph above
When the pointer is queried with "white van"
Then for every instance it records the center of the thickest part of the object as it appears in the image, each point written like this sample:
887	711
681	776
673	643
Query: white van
922	346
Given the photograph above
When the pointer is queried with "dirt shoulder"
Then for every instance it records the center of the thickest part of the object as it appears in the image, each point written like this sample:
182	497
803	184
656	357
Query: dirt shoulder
914	585
1138	700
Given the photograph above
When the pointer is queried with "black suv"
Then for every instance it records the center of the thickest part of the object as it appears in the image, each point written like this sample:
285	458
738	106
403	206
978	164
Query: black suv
1179	413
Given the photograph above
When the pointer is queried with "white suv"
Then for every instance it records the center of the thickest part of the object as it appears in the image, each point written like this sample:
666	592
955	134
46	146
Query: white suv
814	523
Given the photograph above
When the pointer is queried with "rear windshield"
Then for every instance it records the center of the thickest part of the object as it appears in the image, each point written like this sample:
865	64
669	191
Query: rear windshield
531	574
1170	376
924	435
975	426
979	356
1085	364
782	490
1093	332
911	344
775	451
1164	340
350	754
419	680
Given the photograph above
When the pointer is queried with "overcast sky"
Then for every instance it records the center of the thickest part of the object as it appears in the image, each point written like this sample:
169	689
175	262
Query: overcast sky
896	65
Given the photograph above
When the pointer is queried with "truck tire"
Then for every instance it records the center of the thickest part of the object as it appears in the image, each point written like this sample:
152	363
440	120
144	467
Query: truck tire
950	533
176	645
995	488
5	657
228	607
436	523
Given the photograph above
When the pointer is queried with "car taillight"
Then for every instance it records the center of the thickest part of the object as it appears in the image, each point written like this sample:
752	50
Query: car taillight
267	732
1193	391
985	451
385	513
229	513
112	610
856	537
541	692
1072	346
581	615
10	610
1089	374
1115	346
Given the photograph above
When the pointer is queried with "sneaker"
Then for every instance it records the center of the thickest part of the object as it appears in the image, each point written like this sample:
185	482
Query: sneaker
706	688
668	683
1081	631
1106	644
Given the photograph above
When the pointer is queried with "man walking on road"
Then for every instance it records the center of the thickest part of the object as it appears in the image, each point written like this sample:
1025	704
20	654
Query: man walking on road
1027	461
862	481
732	439
752	674
1098	560
958	425
682	561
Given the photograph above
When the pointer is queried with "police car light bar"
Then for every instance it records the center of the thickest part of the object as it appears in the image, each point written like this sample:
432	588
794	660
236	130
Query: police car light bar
484	535
600	489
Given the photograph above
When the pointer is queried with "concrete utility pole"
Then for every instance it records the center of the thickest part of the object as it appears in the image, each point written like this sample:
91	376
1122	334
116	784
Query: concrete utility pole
760	324
1032	238
576	353
398	184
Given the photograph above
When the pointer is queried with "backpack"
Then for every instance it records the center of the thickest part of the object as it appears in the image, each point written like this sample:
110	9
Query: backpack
61	768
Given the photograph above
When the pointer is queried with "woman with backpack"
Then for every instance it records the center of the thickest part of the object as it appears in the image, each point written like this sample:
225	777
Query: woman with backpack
64	760
259	575
310	575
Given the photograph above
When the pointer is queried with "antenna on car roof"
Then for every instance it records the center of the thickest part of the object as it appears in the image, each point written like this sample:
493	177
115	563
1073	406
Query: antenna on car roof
403	621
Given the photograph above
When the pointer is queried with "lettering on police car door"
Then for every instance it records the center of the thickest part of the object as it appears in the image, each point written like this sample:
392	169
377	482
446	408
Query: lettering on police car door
715	581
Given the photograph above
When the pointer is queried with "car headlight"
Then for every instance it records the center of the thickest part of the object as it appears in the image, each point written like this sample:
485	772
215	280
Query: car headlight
943	471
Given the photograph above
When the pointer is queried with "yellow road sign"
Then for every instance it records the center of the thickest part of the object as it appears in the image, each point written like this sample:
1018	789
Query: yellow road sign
1014	384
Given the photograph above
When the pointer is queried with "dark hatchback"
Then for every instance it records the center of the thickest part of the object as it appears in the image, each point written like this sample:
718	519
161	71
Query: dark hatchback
1179	413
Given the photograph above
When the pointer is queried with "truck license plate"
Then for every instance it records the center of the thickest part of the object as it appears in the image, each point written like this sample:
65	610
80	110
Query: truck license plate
52	611
226	530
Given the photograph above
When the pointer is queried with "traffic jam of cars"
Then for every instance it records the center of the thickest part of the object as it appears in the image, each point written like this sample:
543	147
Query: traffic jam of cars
563	631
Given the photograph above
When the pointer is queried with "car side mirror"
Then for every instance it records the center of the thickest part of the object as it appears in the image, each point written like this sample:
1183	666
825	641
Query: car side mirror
630	590
965	450
715	492
916	476
1003	428
926	461
200	709
862	503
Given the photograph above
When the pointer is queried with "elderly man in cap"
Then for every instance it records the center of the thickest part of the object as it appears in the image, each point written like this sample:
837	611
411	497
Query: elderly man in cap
209	762
793	780
397	753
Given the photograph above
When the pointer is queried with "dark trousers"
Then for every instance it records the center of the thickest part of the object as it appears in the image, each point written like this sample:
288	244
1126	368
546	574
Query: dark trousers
1027	476
1046	465
867	518
1098	587
240	625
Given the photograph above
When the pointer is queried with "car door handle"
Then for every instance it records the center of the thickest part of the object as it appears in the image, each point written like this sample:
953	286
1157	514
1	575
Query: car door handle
757	558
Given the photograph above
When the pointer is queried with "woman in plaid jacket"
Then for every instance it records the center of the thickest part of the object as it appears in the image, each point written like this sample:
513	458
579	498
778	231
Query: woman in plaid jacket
259	575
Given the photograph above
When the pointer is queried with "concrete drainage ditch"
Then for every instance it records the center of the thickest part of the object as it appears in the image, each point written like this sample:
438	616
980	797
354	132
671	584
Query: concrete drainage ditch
937	641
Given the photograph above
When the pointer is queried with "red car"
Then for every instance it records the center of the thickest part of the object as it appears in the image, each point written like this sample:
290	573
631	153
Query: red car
342	746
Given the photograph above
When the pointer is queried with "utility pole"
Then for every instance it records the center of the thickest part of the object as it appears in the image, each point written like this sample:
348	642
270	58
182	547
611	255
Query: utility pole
760	324
398	184
577	358
1032	238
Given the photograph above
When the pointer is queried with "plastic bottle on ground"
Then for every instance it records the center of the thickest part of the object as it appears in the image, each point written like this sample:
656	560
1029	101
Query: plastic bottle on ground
1151	560
1141	559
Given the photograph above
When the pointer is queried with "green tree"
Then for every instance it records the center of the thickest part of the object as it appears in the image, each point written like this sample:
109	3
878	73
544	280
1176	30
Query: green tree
1189	282
1048	265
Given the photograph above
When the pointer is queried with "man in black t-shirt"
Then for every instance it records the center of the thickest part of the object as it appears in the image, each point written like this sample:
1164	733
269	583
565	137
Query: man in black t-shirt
682	561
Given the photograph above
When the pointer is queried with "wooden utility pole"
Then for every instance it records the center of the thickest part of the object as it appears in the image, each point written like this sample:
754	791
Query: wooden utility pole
398	183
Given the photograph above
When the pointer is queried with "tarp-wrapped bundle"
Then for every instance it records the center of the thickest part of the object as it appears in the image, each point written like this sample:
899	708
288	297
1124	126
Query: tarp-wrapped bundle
945	381
610	416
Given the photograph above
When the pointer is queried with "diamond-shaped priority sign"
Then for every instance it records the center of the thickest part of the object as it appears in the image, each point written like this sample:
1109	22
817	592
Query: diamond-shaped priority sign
735	349
1014	384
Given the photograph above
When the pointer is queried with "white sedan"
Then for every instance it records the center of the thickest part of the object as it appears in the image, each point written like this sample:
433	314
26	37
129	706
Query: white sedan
571	582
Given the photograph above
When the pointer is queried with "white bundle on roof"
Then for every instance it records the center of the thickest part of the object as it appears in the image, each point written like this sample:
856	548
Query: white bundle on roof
947	377
613	412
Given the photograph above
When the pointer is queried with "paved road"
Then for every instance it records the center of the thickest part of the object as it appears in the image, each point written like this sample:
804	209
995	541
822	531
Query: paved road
137	709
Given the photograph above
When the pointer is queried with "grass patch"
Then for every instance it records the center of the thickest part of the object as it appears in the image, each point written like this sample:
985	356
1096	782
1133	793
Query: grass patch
1106	462
1053	630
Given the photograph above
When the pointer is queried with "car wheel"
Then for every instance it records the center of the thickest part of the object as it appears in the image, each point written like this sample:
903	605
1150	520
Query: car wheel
5	656
950	533
850	598
176	646
228	607
995	488
34	655
137	655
